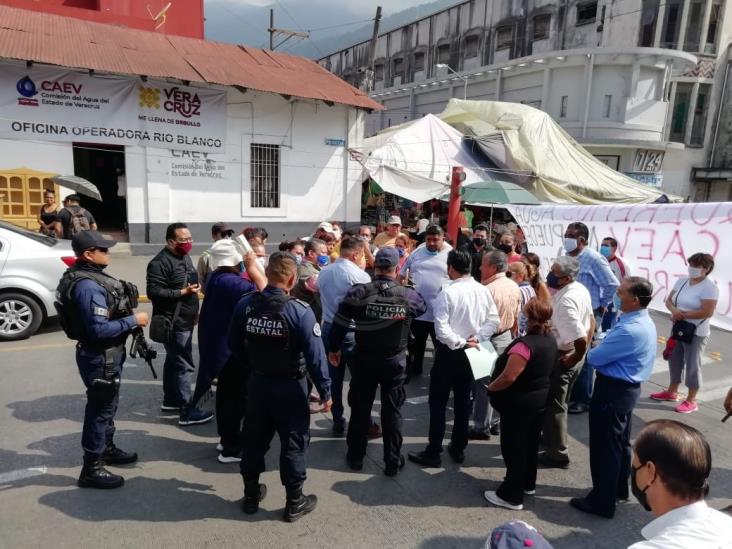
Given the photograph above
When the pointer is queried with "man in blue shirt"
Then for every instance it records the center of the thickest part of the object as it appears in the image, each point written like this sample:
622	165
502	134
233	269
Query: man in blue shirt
622	360
334	282
596	275
277	338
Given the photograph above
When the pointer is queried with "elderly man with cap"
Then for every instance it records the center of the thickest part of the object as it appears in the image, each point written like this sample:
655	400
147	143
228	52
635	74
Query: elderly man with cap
219	231
387	239
382	311
224	290
96	310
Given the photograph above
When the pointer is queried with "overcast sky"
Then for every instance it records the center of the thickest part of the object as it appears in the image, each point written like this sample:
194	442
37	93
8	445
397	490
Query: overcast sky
360	7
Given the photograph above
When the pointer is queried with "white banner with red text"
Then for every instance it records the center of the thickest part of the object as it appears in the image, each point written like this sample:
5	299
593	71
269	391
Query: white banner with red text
52	104
655	238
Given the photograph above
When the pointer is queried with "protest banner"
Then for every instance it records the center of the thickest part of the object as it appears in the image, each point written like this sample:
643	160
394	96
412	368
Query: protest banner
53	104
655	238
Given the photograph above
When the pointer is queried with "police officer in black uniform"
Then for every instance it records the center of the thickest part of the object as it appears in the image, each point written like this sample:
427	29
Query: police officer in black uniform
382	311
97	310
277	338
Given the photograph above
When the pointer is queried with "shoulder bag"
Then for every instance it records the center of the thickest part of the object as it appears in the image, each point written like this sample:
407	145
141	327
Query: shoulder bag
683	330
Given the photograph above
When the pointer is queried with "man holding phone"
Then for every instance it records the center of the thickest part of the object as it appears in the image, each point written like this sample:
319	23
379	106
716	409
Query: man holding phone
173	288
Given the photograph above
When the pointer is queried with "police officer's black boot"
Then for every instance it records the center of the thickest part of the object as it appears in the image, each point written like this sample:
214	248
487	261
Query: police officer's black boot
116	456
94	475
298	505
254	492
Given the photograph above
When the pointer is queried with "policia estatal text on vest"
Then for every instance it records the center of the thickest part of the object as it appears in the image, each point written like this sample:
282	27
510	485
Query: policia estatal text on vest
97	311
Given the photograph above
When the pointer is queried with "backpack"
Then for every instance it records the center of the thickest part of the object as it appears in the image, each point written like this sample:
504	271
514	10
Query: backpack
78	222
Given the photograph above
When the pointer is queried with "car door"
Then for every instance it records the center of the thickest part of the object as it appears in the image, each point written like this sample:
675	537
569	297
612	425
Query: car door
4	251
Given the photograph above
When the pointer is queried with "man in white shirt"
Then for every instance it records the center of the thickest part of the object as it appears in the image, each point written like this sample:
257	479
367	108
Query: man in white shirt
670	467
573	324
426	267
464	315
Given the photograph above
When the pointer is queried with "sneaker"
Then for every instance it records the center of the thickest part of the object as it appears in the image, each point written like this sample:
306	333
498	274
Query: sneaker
687	407
219	447
491	497
530	492
194	416
233	458
665	396
169	408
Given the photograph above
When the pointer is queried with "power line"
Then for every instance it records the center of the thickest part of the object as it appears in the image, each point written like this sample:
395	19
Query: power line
341	25
320	52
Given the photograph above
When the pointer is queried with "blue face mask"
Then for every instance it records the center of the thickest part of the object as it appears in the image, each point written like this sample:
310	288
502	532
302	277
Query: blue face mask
401	252
606	251
323	260
616	302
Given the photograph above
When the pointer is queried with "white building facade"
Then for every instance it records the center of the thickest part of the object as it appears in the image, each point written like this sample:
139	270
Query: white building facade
639	83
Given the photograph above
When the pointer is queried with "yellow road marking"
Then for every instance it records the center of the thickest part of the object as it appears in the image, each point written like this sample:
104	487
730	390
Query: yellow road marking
34	347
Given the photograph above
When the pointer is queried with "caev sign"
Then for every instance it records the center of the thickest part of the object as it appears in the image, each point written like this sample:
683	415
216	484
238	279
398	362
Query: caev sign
57	105
655	238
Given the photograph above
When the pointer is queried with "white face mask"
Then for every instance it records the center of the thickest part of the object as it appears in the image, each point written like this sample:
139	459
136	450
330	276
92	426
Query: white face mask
695	272
570	244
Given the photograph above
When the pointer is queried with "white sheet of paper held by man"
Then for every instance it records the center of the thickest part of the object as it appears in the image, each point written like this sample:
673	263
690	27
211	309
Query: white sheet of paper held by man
482	359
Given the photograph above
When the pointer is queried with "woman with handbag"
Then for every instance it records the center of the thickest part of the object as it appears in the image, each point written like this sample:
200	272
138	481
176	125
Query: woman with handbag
692	302
519	391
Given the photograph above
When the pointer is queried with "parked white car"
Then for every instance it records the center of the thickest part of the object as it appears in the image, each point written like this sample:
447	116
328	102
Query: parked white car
31	266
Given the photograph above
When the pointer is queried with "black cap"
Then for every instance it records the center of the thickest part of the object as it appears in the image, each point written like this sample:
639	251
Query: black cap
386	258
90	239
221	228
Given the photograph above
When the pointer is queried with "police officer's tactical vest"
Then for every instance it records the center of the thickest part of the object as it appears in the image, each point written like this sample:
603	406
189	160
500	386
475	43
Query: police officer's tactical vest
270	340
67	311
382	326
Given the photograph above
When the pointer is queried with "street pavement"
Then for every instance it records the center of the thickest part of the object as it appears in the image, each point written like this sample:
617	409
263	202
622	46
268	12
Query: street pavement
178	495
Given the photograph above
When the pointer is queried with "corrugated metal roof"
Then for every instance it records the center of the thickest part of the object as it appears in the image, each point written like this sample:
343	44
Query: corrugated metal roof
68	42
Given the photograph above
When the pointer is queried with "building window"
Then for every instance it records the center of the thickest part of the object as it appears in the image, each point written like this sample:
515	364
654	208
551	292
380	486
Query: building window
397	70
693	26
563	106
607	103
419	61
586	13
699	125
265	170
671	24
379	72
536	103
443	54
680	113
711	42
541	27
504	38
471	47
649	14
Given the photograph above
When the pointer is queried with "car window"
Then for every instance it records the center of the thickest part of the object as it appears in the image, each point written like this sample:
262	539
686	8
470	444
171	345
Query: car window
38	237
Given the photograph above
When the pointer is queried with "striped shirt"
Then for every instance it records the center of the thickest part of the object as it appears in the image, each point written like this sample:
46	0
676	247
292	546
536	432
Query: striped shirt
527	294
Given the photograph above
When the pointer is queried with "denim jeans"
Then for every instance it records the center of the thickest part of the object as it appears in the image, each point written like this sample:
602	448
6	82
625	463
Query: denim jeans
338	374
178	369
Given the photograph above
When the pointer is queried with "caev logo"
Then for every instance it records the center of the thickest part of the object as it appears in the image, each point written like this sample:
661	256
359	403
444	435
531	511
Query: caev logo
27	89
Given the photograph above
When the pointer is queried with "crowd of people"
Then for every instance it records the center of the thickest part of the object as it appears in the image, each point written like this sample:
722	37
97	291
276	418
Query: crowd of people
277	333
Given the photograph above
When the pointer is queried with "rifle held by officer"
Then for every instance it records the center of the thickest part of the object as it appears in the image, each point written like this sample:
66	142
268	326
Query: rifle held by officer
140	348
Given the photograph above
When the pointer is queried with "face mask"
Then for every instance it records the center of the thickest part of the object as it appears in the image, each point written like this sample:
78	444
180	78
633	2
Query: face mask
298	259
639	494
480	242
262	262
552	281
323	260
430	251
570	244
506	248
401	252
616	302
184	248
606	251
695	272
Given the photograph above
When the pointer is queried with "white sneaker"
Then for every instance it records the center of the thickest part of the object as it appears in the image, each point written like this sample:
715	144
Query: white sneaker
530	492
219	447
166	408
491	497
229	459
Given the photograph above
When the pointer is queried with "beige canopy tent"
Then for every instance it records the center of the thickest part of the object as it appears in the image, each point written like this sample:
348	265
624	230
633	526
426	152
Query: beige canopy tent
534	151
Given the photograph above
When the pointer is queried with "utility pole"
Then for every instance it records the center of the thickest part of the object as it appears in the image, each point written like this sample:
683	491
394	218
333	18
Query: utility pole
369	77
286	33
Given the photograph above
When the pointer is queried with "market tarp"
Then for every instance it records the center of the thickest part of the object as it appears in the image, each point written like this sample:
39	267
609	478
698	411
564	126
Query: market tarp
414	161
534	151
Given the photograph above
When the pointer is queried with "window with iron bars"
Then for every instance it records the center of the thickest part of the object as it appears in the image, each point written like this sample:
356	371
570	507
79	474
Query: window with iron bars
265	176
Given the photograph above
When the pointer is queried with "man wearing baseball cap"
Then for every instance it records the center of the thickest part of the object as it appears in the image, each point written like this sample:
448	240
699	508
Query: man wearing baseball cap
387	239
95	309
382	311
